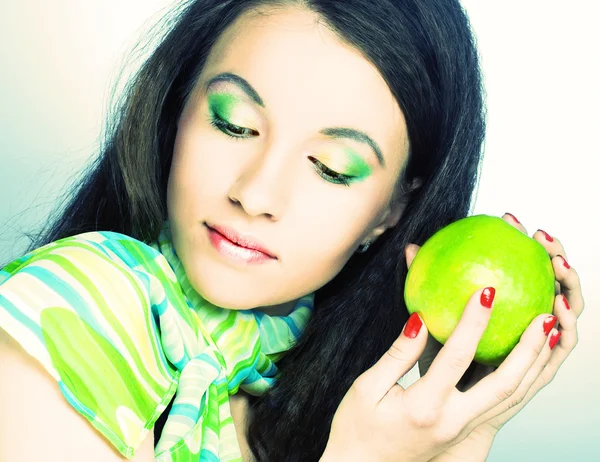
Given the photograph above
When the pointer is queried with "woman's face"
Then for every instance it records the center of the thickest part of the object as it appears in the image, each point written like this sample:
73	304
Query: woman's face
292	142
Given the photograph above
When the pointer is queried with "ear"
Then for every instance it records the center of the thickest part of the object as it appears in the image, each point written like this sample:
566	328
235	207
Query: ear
390	218
393	213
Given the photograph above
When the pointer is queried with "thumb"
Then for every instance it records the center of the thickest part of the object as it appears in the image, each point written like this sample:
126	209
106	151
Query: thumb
410	252
398	360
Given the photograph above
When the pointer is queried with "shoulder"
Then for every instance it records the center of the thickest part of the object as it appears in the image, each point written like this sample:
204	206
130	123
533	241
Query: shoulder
37	423
82	307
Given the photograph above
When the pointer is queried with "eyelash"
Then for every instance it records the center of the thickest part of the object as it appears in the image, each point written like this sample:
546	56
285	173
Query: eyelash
330	175
232	131
229	129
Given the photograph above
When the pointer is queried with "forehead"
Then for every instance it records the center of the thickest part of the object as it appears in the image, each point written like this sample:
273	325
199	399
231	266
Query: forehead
304	73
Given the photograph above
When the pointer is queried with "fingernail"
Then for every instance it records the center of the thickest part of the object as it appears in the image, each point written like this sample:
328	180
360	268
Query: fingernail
565	264
513	217
567	306
549	324
546	235
413	326
554	338
487	296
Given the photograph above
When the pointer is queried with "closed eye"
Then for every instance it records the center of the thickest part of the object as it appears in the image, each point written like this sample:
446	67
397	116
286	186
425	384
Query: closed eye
234	131
330	175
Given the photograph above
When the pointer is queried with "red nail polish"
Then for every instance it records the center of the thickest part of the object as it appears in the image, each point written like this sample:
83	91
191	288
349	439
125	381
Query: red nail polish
487	296
554	339
549	324
413	326
565	264
513	217
546	235
567	306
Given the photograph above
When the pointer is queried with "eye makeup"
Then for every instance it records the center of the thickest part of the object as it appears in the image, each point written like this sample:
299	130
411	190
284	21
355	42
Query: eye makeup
230	113
345	168
223	104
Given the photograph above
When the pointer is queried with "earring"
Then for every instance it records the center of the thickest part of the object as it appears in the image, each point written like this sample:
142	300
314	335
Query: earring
363	247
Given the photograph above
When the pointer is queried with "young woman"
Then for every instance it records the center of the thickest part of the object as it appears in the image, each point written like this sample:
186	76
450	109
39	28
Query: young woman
226	283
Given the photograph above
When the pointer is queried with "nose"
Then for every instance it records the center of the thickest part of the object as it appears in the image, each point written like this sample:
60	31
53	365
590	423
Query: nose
264	185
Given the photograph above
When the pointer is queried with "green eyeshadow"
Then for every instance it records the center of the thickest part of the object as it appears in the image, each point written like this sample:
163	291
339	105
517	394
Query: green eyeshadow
356	166
223	104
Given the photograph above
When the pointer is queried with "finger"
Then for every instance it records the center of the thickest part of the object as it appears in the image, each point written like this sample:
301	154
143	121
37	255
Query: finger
551	243
512	220
527	389
410	252
554	247
530	385
546	365
570	283
496	390
563	345
459	350
397	361
567	319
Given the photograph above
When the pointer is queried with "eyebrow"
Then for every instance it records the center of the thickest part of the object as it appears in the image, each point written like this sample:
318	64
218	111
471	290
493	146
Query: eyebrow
332	132
356	135
240	82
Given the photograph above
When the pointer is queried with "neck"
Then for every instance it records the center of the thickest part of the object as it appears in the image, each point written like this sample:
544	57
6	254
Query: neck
282	309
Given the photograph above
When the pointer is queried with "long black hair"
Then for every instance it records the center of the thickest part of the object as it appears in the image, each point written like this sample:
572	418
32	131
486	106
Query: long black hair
426	52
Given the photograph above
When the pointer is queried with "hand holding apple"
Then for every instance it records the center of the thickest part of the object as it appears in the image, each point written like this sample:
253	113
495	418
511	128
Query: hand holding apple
431	420
568	306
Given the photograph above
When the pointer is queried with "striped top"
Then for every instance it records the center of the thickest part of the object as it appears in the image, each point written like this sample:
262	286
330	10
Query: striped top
118	325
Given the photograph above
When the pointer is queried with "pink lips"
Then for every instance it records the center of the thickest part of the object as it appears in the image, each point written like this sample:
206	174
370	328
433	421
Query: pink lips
229	243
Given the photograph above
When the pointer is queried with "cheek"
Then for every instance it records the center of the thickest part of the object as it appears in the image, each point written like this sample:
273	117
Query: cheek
330	241
198	173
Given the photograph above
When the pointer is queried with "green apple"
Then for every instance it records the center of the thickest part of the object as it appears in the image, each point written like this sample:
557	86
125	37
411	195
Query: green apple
473	253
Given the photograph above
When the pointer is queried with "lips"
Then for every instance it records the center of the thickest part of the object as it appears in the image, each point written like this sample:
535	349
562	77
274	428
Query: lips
244	241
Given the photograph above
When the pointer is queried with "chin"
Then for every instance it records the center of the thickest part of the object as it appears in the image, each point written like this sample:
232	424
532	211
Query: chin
230	304
228	293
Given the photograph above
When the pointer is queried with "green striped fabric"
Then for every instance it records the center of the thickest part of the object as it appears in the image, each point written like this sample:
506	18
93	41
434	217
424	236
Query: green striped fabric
118	325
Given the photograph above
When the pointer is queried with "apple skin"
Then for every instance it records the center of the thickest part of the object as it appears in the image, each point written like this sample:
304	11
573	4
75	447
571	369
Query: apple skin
473	253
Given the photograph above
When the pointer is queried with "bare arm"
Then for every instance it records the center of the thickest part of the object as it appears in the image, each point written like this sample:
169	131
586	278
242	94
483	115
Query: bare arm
37	422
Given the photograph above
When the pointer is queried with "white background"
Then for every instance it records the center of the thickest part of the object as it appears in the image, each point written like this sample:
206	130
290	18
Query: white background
541	61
